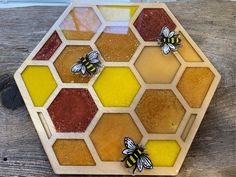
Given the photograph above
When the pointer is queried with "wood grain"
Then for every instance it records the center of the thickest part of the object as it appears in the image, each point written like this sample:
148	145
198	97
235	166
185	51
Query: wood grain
212	26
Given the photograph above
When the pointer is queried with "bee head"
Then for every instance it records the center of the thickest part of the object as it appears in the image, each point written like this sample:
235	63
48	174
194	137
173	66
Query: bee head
141	148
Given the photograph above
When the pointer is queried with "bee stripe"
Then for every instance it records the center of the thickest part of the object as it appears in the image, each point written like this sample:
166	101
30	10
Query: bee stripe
93	69
84	60
177	40
86	63
168	40
164	39
89	66
129	164
132	158
135	155
139	151
172	40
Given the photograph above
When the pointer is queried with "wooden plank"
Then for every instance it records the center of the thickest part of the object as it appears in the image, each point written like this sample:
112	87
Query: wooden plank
209	26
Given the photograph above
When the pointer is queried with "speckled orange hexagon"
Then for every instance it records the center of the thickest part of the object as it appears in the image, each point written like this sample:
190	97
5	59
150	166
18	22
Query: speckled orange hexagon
117	43
160	111
80	24
109	133
155	68
194	85
68	57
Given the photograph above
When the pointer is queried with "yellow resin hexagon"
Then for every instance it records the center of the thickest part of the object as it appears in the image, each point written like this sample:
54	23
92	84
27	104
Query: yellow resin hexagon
39	83
163	153
117	13
116	87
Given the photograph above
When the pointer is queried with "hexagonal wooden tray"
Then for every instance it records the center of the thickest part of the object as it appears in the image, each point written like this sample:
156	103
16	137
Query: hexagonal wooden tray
159	101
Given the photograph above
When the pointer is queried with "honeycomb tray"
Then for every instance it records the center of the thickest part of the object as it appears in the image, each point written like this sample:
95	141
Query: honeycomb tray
159	101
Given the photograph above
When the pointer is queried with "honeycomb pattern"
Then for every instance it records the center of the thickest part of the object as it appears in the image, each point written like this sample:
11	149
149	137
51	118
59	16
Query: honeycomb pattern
139	92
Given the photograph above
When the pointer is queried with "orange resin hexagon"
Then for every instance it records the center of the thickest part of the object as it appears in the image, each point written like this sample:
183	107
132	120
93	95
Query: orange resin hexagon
117	43
73	152
80	24
160	111
69	56
109	133
155	68
194	85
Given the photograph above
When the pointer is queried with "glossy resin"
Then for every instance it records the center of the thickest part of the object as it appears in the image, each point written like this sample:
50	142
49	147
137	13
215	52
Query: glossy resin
158	101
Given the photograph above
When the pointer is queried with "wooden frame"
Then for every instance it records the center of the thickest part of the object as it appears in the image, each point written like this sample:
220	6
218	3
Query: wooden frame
44	124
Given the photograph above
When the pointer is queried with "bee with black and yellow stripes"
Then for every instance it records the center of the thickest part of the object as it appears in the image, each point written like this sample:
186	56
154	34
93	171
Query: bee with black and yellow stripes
88	64
169	40
135	156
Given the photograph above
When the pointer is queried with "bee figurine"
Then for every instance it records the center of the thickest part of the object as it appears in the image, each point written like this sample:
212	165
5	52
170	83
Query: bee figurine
87	65
135	156
169	40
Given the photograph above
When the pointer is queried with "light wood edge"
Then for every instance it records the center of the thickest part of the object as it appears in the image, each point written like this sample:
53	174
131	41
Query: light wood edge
114	167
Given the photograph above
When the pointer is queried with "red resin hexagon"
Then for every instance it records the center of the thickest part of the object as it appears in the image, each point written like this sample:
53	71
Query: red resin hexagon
151	21
49	48
72	110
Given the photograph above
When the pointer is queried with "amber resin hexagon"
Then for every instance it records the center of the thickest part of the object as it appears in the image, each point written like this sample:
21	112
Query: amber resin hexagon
158	101
117	43
72	110
73	152
80	24
116	87
160	111
109	133
68	57
155	68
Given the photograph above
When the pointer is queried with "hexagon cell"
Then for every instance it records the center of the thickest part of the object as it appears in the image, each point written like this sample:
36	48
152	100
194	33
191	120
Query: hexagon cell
187	51
109	133
151	21
39	83
113	44
72	110
69	56
117	13
160	111
81	24
155	68
194	85
163	153
116	87
73	152
49	47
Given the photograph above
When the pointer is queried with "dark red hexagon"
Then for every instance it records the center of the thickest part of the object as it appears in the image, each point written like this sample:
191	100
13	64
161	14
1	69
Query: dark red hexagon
72	110
151	21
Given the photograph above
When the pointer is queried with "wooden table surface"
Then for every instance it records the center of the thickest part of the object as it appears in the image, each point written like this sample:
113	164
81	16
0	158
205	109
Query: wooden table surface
211	24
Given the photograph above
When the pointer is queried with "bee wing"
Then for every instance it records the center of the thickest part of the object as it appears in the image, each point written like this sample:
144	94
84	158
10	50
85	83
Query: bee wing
171	34
165	31
166	49
83	69
92	55
171	46
147	163
128	151
76	68
129	143
140	165
95	61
